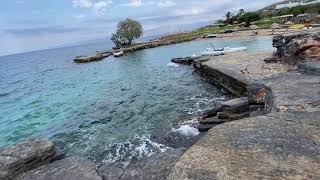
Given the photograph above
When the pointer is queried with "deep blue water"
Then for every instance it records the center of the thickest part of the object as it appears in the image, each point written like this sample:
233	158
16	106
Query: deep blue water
104	110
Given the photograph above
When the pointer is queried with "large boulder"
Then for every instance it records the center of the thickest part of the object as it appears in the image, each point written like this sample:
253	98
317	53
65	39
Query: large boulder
72	168
295	47
25	156
274	146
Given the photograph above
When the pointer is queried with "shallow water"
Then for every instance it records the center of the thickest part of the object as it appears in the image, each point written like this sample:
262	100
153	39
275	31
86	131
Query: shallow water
108	110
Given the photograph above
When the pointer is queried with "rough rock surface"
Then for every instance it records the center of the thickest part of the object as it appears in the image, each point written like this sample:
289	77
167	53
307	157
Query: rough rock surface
312	68
280	145
295	92
24	156
72	168
156	167
304	45
274	146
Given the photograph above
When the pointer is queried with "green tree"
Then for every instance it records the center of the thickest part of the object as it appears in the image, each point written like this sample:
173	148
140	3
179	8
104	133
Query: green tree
240	13
249	17
228	17
127	31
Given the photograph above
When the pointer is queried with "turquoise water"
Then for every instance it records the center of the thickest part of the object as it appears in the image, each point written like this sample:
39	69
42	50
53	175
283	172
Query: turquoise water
108	110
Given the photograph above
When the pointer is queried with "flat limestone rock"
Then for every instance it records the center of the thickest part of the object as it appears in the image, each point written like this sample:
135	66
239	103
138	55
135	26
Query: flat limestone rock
273	146
72	168
236	105
24	156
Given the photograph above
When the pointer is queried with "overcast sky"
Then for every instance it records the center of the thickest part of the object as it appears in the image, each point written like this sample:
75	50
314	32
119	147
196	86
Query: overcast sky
27	25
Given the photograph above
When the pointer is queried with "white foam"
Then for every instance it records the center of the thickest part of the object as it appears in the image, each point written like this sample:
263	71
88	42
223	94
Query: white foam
187	130
171	64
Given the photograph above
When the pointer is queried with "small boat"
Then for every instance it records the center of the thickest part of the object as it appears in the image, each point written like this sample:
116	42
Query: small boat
218	52
118	53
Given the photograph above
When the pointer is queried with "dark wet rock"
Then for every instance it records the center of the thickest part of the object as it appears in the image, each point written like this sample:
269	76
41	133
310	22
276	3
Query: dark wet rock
156	167
72	168
206	127
256	110
273	146
212	120
173	138
186	60
311	68
21	157
226	116
211	112
238	105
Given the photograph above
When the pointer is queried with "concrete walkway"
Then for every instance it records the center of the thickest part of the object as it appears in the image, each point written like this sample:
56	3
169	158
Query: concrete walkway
284	144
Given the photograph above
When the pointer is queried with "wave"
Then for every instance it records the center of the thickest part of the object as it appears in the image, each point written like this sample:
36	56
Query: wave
136	148
187	131
171	64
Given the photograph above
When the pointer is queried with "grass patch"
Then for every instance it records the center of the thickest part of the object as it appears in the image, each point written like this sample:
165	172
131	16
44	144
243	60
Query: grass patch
265	23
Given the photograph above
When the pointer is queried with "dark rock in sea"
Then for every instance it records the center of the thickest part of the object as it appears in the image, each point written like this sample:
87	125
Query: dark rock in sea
212	120
186	60
211	112
173	137
206	127
238	105
21	157
72	168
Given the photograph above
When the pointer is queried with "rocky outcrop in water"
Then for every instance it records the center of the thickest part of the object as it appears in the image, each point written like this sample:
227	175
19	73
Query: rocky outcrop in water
38	159
151	44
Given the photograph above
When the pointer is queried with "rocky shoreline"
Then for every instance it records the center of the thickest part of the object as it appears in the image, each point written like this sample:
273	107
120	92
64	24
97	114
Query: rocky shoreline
281	144
277	139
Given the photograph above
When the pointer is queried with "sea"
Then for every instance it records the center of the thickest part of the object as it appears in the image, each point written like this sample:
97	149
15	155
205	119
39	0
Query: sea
111	110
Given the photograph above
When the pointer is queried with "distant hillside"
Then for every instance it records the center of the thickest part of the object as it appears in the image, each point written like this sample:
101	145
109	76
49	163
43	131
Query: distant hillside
272	7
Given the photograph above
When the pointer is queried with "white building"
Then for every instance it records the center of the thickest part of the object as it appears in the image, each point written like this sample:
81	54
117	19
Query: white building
293	4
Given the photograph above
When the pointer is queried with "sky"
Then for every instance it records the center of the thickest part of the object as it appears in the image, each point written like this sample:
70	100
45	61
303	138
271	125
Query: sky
28	25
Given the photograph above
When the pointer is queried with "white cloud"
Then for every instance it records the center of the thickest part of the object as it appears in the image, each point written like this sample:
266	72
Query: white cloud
82	3
101	6
135	3
97	7
165	3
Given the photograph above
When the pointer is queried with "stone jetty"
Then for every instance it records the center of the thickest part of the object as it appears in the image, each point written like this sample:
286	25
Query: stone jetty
91	58
169	40
283	142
